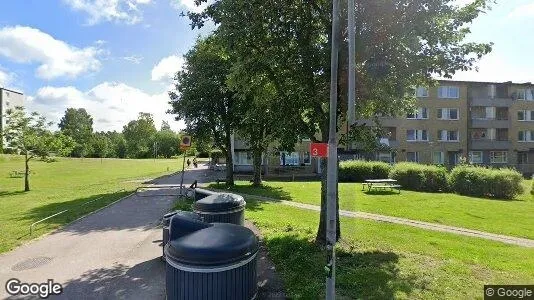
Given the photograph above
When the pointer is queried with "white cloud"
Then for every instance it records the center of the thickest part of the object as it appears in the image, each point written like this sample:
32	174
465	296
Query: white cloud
496	68
526	10
165	69
119	11
135	59
111	104
5	78
188	5
56	58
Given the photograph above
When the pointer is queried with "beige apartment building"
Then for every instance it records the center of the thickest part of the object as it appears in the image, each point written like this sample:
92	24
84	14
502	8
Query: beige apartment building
486	123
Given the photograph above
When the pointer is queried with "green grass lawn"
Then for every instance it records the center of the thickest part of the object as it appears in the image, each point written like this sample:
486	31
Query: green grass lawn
66	184
385	261
496	216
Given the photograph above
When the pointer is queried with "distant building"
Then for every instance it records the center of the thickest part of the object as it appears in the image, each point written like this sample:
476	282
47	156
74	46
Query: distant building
8	99
487	123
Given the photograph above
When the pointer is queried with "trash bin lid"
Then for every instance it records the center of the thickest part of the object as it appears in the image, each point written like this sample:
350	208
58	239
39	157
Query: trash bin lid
217	245
219	202
167	217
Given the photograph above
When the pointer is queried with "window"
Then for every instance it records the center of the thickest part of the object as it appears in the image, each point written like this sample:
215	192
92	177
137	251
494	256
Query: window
522	157
525	136
492	91
448	92
420	113
416	135
525	115
438	157
498	157
307	158
385	157
289	158
529	94
520	94
412	156
448	135
421	92
448	113
243	158
475	157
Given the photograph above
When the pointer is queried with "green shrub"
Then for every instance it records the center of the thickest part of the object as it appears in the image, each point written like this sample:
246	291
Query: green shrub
360	170
486	182
418	177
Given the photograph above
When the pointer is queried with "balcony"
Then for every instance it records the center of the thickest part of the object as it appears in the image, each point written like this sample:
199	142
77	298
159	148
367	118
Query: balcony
487	101
490	145
490	123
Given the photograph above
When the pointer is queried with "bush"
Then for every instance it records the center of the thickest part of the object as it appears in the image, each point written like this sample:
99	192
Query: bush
203	154
417	177
485	182
360	170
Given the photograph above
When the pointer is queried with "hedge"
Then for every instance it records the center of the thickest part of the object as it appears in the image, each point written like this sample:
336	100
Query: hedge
418	177
486	182
360	170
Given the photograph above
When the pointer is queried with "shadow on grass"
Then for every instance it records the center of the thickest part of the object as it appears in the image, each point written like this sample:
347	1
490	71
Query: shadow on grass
14	193
378	192
359	275
263	190
145	280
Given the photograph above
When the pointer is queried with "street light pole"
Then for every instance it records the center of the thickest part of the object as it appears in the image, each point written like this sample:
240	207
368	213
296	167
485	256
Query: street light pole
352	64
331	177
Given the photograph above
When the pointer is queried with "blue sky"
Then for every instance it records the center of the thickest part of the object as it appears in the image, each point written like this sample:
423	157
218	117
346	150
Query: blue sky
116	57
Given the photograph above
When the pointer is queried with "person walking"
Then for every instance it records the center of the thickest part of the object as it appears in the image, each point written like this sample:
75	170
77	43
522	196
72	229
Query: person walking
188	163
195	163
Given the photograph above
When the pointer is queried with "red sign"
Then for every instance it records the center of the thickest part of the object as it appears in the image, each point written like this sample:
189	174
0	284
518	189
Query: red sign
319	149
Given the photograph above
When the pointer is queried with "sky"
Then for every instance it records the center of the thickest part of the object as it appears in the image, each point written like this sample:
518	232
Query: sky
116	58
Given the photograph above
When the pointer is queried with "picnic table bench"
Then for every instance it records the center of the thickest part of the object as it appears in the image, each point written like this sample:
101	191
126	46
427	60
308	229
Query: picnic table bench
381	184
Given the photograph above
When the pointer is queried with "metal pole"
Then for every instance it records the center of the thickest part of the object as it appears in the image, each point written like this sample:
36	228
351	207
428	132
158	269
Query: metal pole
331	185
183	171
352	64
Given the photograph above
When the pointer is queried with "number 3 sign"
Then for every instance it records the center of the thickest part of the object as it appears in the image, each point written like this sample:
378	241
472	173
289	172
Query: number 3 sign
319	149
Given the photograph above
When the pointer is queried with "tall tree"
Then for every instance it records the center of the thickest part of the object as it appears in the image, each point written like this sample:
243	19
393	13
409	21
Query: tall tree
78	124
165	126
29	135
400	44
167	143
139	135
101	145
204	101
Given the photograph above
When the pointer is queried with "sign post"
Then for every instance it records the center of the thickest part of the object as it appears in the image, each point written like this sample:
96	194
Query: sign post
185	144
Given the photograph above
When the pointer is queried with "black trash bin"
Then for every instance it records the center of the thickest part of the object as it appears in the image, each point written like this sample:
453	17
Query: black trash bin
167	220
221	208
210	261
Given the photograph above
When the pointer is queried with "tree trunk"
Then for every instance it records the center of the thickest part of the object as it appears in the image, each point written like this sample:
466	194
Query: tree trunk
26	174
256	160
229	160
321	231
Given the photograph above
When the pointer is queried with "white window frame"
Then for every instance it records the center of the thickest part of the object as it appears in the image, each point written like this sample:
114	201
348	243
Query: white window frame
493	157
527	115
492	91
471	155
448	89
416	156
446	113
421	95
441	158
529	94
528	136
419	114
443	135
418	133
521	91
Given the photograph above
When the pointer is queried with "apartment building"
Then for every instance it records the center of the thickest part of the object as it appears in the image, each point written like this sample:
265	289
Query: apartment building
8	99
484	122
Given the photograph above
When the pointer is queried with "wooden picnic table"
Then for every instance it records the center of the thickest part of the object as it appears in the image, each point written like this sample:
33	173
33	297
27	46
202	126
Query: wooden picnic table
381	184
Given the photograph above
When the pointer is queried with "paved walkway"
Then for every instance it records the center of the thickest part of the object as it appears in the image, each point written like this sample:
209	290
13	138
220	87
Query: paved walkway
111	254
420	224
